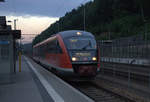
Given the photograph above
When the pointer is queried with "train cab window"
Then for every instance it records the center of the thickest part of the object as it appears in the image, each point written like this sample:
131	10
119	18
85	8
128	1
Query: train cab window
80	43
59	50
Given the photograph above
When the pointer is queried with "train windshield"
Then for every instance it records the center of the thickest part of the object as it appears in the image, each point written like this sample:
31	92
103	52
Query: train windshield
80	43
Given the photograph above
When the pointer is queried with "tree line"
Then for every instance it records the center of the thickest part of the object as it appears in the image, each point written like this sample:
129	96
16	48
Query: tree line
106	19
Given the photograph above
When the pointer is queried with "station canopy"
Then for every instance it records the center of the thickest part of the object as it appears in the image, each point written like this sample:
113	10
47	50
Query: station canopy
16	33
1	0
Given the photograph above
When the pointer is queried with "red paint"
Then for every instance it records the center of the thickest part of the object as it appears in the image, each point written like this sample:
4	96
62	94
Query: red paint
60	60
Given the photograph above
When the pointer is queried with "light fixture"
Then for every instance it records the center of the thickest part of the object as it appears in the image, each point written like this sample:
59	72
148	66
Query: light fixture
78	33
74	58
94	58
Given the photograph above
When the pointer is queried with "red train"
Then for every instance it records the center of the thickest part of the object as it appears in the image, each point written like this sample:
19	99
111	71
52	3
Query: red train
69	53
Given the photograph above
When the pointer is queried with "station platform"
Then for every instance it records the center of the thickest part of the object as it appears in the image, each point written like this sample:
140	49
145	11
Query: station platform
35	84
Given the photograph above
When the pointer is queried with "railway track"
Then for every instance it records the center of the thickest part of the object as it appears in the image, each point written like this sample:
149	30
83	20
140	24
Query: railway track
134	72
134	78
94	91
97	93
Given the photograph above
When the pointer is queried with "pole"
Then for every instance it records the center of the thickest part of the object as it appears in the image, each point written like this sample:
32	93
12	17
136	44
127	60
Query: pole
20	57
149	79
58	26
144	20
15	20
15	24
84	18
20	61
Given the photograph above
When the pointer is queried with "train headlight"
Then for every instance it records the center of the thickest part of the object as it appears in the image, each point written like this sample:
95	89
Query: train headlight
74	58
79	33
94	58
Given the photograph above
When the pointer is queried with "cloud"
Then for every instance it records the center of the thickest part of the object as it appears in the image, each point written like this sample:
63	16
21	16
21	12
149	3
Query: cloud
31	24
52	8
34	16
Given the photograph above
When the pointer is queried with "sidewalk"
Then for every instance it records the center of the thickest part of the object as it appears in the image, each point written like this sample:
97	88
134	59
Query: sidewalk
24	87
35	84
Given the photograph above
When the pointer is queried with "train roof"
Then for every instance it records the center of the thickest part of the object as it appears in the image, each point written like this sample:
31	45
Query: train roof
45	41
74	33
65	34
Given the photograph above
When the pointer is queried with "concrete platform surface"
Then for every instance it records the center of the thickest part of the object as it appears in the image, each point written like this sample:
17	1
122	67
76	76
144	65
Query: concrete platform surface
36	84
23	87
60	89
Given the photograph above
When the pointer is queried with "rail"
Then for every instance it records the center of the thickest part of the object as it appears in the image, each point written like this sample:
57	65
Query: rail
98	93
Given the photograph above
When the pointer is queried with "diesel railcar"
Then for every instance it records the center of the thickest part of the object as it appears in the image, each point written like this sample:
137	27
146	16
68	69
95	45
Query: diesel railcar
69	53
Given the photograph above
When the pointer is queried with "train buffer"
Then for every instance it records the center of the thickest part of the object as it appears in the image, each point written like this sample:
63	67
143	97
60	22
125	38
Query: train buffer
36	84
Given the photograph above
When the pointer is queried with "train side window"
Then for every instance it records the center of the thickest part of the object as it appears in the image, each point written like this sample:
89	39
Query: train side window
51	48
43	50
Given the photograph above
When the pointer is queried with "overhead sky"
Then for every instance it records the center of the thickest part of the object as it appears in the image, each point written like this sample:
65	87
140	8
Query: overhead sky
36	15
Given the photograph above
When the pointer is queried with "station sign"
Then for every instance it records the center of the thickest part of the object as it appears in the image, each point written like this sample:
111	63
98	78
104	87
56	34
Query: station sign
4	42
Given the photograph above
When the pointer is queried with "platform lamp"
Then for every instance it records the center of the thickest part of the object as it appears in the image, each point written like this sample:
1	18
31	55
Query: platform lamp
15	20
15	25
9	21
9	26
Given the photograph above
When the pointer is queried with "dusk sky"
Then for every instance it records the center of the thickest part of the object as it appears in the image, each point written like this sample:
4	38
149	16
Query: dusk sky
34	16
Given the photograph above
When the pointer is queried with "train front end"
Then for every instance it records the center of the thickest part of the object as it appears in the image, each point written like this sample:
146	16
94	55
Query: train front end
83	53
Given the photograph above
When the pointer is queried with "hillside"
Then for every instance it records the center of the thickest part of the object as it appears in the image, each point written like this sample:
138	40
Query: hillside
106	19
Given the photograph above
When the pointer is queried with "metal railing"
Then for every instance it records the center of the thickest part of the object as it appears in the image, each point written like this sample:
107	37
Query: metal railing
126	50
133	47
